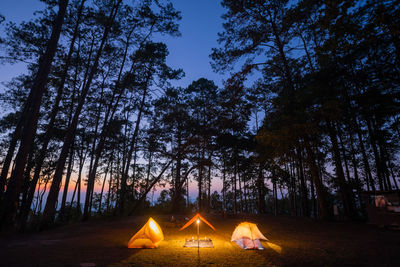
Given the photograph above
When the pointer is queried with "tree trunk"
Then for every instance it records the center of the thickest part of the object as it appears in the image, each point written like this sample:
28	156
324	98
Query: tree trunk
39	87
109	189
393	176
384	156
42	194
246	206
240	193
303	186
25	186
367	169
37	198
97	150
376	154
209	185
275	194
50	209
314	203
66	184
343	186
199	186
78	197
102	187
294	187
133	144
52	118
234	185
343	152
13	143
200	180
324	211
355	170
260	189
177	187
224	186
72	198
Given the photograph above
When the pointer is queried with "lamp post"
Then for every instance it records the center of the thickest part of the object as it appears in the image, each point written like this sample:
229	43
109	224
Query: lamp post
198	226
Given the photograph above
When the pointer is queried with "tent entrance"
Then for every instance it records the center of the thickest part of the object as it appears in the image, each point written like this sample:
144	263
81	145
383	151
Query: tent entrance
149	236
201	243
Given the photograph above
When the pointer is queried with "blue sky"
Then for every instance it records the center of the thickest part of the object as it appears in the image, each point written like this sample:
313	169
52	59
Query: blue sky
15	11
201	21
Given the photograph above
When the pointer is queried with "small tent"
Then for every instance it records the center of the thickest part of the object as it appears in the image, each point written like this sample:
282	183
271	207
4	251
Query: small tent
248	236
149	236
197	216
203	243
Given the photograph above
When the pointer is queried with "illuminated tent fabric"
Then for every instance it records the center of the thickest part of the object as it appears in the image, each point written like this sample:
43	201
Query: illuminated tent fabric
197	216
149	236
248	236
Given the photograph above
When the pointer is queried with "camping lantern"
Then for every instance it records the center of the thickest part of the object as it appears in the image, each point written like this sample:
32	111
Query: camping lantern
206	243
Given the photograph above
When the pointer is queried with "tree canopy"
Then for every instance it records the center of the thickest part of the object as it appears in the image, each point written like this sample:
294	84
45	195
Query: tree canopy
308	119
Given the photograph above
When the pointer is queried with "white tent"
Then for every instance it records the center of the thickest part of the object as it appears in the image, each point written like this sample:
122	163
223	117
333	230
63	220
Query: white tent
248	236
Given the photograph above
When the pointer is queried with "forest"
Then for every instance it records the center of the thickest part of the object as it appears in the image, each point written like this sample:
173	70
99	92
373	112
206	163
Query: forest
307	121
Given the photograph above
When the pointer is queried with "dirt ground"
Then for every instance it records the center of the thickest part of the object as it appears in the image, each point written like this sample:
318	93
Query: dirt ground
292	242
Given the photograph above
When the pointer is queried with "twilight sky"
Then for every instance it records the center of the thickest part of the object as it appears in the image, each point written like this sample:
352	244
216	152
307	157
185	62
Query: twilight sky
201	21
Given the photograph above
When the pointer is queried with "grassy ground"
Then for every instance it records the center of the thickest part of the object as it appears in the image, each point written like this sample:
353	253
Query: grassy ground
292	241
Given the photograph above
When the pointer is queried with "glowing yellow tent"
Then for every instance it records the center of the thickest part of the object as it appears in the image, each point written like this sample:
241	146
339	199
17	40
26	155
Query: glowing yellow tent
149	236
248	236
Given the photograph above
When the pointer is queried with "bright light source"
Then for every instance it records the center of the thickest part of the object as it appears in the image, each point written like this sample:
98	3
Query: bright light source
153	226
198	221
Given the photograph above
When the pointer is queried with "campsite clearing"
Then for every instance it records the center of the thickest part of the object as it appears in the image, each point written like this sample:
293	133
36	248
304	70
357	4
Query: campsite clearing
292	241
